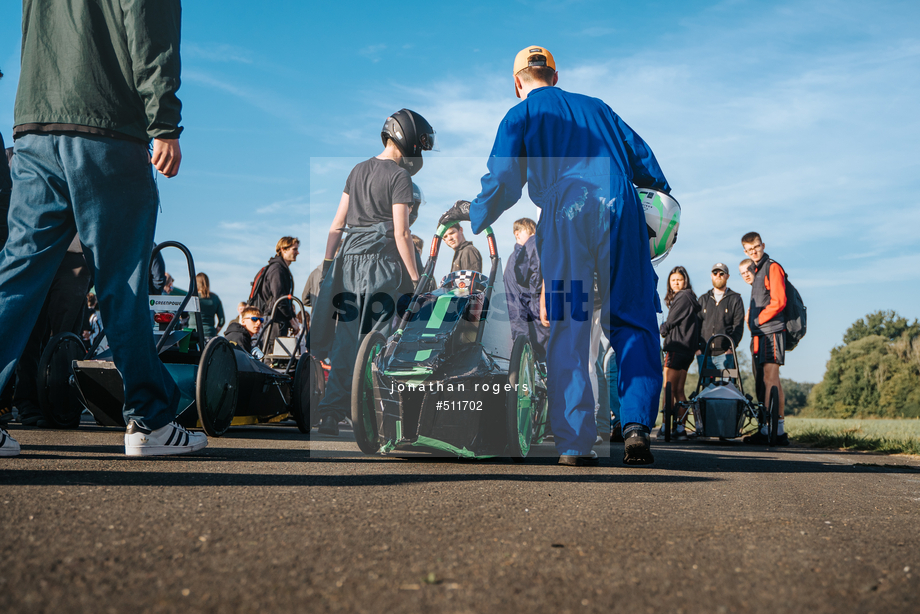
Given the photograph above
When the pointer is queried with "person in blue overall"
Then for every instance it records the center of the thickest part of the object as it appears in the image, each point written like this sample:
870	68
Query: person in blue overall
581	163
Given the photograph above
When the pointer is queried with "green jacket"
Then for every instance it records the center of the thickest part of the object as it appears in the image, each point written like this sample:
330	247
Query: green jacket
111	64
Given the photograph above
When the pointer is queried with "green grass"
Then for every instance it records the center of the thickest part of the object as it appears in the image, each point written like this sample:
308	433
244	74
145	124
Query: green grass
882	436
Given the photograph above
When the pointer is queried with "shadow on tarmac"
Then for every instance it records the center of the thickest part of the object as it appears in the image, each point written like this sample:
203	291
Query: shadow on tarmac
162	478
683	459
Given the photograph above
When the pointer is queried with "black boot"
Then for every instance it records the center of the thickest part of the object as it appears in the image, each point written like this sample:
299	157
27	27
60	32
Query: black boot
638	448
329	426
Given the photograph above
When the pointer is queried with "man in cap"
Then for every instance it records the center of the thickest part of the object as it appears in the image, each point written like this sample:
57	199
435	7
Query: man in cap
581	161
721	313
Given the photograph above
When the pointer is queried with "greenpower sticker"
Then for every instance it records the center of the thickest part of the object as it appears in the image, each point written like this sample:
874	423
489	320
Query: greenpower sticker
166	302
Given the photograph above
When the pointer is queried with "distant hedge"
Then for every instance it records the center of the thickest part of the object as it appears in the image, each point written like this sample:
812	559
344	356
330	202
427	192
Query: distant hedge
876	373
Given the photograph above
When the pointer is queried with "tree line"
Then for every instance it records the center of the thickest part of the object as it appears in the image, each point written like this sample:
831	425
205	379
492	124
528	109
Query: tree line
874	374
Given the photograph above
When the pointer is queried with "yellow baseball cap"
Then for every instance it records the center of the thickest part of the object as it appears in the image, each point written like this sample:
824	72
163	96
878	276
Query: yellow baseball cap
521	59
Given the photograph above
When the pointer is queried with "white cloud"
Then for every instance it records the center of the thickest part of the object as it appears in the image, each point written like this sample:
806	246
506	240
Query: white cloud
373	52
220	52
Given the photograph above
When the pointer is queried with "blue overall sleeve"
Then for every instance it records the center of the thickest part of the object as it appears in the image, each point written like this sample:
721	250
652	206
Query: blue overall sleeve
502	185
646	172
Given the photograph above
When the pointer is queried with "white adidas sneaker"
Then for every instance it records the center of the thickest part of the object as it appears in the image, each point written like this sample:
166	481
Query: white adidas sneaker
8	446
171	439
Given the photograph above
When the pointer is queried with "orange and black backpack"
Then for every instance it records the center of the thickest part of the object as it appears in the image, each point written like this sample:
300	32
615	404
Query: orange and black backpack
255	294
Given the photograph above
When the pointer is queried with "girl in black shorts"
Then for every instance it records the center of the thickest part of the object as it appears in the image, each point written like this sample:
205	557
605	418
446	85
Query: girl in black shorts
681	332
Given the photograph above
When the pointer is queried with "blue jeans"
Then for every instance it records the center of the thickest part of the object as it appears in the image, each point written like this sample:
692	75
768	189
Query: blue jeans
612	374
608	397
723	361
104	189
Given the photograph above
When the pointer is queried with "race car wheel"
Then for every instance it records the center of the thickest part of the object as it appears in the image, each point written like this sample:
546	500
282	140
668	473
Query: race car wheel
519	399
540	406
363	410
317	385
668	412
57	394
300	399
216	388
309	390
774	415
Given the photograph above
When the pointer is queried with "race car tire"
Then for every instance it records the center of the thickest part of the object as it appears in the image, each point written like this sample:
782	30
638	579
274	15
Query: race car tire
309	390
667	412
318	385
519	399
363	411
301	397
540	410
57	395
216	387
774	416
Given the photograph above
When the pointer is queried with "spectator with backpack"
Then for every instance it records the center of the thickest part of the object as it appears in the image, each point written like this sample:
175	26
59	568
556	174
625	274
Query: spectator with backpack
767	322
274	282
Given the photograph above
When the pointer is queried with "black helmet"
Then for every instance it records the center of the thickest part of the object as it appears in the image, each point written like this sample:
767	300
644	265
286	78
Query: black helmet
412	134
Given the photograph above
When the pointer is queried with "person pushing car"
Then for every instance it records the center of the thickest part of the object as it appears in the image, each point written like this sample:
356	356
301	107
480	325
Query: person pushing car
581	161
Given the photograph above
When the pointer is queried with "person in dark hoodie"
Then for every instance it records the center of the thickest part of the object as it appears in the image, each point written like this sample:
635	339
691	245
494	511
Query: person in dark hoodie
278	282
241	333
721	312
681	332
523	284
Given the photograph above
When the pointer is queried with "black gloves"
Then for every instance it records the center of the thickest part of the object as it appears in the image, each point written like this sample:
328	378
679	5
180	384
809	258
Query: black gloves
460	212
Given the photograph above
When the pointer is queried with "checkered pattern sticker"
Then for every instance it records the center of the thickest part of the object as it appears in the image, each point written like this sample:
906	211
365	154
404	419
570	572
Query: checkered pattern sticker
462	280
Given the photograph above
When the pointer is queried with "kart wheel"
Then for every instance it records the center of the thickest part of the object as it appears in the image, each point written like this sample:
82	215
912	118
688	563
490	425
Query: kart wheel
57	395
363	410
309	390
540	407
216	388
317	384
300	399
774	415
668	412
519	400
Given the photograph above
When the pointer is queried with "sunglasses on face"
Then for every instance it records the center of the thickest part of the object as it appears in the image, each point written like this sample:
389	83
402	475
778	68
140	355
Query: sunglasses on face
718	273
256	319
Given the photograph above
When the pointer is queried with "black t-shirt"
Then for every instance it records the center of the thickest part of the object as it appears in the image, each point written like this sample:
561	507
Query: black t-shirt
373	187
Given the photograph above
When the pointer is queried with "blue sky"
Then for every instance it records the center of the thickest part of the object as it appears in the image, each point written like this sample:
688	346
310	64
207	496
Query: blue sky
797	119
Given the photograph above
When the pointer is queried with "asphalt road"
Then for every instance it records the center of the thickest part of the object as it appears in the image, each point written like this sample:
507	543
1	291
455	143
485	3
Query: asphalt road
254	524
